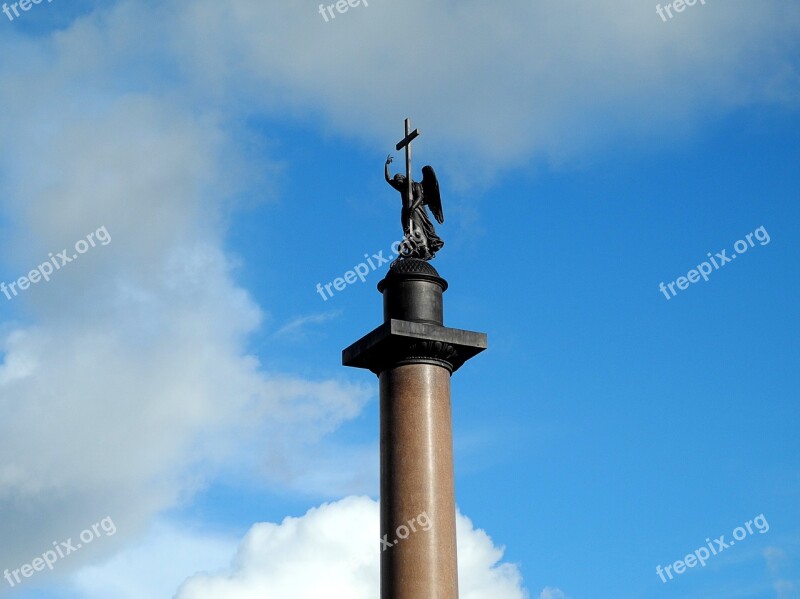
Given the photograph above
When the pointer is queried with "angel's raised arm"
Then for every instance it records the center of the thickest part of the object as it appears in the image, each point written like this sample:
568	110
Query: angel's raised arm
386	170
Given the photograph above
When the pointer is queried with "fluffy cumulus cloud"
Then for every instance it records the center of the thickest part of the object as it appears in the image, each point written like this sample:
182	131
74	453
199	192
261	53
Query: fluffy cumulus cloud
332	551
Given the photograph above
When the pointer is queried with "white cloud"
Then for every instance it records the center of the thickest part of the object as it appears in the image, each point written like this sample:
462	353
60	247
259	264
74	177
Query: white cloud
333	551
494	85
777	564
154	566
550	593
124	383
295	327
491	86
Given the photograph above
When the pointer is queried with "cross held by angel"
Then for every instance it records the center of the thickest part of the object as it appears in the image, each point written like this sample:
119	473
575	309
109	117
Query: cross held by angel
420	239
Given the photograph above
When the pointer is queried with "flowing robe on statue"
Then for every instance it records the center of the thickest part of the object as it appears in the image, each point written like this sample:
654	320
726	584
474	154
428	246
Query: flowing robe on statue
424	235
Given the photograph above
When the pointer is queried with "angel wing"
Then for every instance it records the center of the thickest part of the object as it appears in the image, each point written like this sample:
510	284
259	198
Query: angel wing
430	189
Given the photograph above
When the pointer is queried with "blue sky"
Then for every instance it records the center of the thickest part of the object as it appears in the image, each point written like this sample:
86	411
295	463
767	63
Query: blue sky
186	379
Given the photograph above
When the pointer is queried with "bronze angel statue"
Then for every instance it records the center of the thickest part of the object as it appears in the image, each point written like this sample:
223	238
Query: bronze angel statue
420	239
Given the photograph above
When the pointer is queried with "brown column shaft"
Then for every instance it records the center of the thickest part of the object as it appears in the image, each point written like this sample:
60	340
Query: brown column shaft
417	479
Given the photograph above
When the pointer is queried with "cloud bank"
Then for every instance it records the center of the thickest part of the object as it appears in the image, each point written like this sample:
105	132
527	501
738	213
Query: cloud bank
125	383
333	551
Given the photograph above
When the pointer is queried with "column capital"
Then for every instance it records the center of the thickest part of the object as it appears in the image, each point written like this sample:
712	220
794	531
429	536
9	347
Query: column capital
397	342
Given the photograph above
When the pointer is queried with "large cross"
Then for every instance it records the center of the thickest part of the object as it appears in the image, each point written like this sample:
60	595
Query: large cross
406	143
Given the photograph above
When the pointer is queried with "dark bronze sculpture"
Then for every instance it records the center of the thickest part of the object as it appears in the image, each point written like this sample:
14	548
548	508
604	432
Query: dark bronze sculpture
420	239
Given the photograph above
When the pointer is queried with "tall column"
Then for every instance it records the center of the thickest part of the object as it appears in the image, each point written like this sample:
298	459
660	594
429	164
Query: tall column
414	355
417	478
